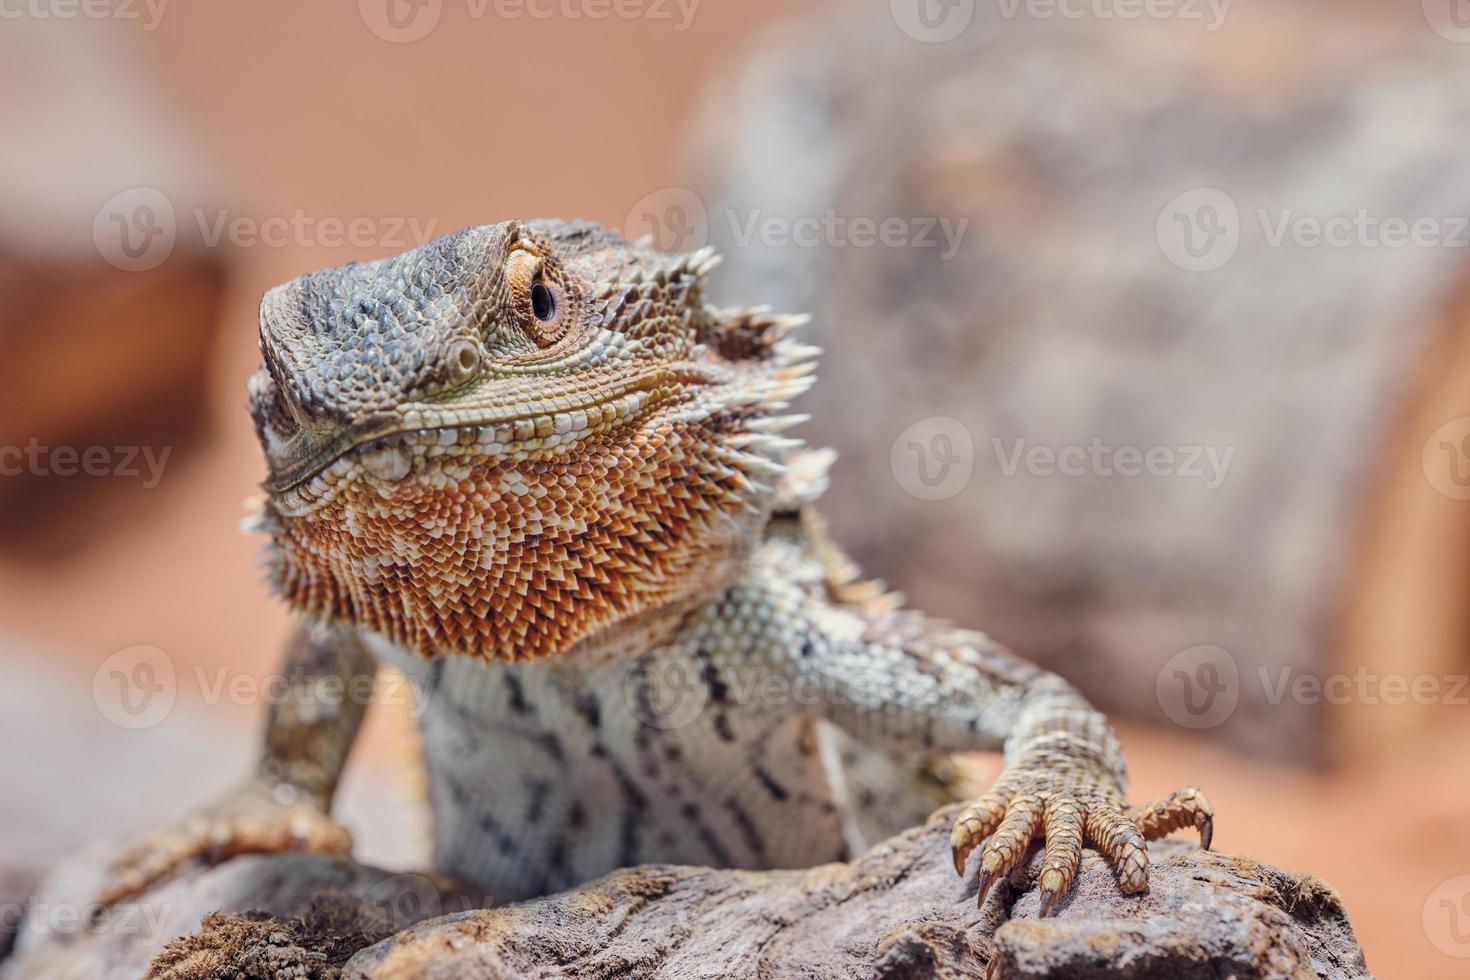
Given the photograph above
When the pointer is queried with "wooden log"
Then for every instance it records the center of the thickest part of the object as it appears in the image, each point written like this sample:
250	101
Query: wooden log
898	911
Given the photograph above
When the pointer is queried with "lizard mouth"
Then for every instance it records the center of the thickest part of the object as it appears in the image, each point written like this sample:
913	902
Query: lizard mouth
531	425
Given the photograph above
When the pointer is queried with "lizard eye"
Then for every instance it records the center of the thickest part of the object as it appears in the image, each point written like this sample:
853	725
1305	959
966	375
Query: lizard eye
543	302
537	297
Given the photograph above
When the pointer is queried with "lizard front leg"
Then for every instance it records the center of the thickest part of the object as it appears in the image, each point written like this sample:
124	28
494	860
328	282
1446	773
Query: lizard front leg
283	804
911	685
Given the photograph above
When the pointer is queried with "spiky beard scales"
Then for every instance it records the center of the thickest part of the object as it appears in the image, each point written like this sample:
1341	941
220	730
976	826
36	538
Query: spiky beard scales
520	558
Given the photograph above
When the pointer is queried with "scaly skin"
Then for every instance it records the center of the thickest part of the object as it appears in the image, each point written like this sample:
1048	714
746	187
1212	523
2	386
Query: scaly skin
529	463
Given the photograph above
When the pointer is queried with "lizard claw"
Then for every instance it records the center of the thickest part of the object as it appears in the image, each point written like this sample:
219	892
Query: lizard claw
1069	808
1053	885
987	878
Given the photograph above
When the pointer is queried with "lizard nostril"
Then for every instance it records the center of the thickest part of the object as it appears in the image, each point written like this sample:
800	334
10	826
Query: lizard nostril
269	406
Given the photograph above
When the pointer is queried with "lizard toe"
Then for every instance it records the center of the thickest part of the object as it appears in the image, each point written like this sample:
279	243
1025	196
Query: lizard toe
1186	807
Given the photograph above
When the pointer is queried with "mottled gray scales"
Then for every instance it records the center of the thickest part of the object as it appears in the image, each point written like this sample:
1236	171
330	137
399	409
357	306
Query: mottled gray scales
679	795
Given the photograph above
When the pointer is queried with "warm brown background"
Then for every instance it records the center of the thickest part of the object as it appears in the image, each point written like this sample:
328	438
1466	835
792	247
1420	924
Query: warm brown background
298	105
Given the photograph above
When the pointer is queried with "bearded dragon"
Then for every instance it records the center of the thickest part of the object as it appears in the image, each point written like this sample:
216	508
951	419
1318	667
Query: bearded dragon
531	466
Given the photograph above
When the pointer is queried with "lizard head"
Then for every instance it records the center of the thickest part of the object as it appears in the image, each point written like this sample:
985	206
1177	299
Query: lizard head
516	439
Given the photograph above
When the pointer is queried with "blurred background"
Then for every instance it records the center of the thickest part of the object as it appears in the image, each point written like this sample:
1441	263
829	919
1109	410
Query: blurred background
1147	332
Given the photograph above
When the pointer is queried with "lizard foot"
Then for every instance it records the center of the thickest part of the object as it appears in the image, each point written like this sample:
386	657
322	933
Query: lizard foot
255	818
1070	808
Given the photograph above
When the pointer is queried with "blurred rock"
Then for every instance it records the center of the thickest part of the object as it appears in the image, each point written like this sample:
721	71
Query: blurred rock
1106	392
111	298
